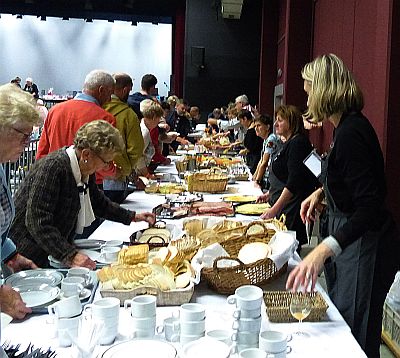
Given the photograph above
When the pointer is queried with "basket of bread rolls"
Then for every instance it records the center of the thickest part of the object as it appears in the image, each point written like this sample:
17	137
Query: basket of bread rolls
164	272
248	262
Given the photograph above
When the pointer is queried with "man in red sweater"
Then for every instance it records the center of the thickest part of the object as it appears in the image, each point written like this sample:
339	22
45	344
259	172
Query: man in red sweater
66	118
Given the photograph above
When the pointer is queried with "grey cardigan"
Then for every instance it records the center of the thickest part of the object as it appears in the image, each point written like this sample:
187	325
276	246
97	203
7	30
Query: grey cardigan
47	206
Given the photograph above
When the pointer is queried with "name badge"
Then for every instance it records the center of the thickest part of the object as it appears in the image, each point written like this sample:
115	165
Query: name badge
314	163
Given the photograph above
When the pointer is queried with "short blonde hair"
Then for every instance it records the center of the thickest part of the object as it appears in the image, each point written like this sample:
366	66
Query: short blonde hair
17	106
151	109
333	88
100	137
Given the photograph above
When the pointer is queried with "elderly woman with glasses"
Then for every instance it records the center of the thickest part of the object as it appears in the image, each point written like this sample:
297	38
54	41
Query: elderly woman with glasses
58	198
18	115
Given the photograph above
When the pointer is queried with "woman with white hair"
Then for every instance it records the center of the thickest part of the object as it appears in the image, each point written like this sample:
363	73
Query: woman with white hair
152	113
361	253
31	88
59	198
18	115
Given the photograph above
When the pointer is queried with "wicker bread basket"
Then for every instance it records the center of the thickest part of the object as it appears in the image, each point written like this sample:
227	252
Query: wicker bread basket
225	280
278	303
164	298
212	182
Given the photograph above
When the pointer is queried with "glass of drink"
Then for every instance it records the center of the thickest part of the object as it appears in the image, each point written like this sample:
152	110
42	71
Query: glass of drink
300	308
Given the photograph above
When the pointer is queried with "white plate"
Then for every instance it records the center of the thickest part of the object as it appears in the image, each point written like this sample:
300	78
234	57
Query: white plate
93	255
152	349
35	296
103	260
206	347
35	277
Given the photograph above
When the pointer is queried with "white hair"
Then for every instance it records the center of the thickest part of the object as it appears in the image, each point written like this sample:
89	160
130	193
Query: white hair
97	78
242	99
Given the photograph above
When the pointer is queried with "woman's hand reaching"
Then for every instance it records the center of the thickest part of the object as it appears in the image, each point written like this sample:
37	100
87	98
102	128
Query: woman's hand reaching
311	205
148	217
82	260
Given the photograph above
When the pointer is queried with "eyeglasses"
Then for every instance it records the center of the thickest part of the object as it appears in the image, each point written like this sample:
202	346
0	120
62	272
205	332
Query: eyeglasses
26	136
106	163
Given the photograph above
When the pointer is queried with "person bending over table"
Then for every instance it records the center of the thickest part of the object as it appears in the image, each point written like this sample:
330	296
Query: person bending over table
263	126
18	115
361	253
290	180
59	197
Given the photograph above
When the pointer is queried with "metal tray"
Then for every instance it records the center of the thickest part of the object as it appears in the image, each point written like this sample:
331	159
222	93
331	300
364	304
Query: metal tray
170	211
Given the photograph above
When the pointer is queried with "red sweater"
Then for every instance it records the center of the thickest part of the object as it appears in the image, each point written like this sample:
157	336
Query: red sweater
63	122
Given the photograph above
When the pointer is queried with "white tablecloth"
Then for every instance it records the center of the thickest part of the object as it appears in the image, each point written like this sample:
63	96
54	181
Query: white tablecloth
330	338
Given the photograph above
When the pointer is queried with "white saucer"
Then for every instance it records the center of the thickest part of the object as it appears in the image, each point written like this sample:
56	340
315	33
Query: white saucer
83	295
103	260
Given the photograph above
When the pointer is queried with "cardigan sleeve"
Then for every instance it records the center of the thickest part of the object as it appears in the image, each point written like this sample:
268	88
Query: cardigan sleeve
42	204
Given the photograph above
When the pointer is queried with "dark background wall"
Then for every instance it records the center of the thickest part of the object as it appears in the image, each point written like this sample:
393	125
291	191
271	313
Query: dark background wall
232	54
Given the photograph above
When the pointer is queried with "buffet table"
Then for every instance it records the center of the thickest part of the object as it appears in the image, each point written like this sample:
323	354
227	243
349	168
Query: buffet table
329	338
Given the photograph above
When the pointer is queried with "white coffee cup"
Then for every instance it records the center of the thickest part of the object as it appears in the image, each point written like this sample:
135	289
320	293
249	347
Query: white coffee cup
244	313
104	308
67	327
83	272
187	338
252	353
274	342
221	335
193	327
144	323
72	286
246	338
108	332
106	311
247	297
142	306
110	253
247	324
66	308
192	312
170	328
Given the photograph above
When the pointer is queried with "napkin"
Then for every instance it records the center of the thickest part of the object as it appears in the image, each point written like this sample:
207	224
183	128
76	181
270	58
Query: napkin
206	257
283	245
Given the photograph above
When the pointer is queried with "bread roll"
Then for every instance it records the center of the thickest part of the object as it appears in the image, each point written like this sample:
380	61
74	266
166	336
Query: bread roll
253	252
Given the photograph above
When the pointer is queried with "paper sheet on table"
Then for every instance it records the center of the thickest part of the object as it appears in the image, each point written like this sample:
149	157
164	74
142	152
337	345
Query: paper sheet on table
117	231
283	245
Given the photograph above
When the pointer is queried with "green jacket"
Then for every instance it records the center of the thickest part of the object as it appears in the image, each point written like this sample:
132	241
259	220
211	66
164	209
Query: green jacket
129	126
